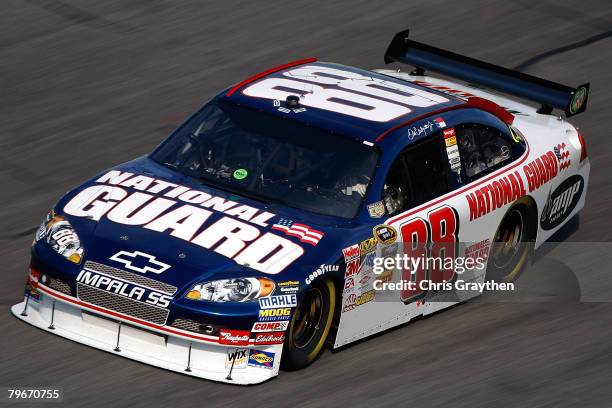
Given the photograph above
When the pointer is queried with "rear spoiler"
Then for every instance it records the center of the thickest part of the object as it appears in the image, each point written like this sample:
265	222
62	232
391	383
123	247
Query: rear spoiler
549	94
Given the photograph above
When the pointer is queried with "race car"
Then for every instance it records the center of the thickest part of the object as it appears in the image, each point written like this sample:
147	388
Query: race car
258	232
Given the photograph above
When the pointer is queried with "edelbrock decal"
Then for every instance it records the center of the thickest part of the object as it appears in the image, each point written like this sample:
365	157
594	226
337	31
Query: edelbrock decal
562	202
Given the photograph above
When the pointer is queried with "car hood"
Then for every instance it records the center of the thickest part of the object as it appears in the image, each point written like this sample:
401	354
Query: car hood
179	260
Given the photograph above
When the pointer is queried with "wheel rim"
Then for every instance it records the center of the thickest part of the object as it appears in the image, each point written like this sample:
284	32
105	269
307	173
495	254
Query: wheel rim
308	318
507	245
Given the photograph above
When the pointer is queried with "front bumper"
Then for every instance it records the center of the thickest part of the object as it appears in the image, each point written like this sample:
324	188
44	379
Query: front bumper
160	346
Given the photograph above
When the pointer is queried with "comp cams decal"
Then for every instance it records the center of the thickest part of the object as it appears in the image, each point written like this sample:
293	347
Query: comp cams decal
259	327
182	212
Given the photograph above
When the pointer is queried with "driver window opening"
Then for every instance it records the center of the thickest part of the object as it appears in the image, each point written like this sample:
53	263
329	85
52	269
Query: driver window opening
420	174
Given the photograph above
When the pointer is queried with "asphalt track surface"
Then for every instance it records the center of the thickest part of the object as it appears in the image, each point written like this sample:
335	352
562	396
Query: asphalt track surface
85	85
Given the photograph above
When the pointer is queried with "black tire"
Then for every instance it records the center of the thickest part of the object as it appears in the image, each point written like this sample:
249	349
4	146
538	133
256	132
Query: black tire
513	242
309	326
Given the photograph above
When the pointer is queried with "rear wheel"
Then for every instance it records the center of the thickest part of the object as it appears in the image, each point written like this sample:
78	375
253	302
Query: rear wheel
513	243
309	326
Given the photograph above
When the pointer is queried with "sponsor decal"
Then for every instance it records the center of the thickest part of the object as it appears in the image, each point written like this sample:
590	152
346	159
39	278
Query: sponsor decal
183	213
562	156
270	338
440	122
234	337
478	250
494	195
562	202
578	100
123	288
385	234
301	231
31	282
240	174
385	276
349	303
349	284
270	315
541	170
452	150
365	280
270	326
139	262
368	259
271	302
237	357
366	246
352	267
351	253
365	297
262	359
321	270
377	209
353	301
288	287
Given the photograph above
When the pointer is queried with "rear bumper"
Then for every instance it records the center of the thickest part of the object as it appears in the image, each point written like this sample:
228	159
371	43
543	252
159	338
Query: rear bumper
172	350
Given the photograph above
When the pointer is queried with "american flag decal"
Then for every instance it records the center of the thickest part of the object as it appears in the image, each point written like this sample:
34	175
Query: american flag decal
563	156
301	231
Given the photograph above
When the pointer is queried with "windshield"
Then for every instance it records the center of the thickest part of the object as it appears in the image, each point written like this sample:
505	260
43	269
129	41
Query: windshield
271	159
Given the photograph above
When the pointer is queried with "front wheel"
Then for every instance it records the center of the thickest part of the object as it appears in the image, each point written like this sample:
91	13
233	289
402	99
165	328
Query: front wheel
309	326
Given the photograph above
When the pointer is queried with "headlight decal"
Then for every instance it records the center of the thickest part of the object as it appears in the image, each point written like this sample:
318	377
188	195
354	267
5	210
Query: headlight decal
61	237
232	290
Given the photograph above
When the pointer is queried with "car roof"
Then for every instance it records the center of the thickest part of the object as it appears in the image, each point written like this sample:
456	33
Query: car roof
254	93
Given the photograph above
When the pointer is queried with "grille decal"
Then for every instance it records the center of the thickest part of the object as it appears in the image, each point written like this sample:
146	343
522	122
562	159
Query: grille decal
122	304
131	277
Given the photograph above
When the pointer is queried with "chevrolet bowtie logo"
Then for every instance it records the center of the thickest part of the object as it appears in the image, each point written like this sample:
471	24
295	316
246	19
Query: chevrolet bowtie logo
139	262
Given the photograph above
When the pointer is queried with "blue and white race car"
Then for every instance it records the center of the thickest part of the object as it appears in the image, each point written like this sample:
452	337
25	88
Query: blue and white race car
247	241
